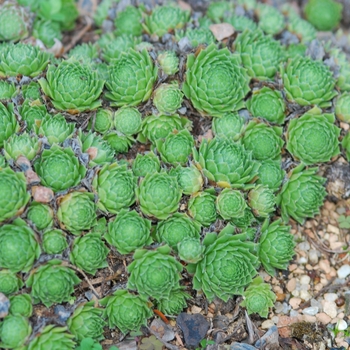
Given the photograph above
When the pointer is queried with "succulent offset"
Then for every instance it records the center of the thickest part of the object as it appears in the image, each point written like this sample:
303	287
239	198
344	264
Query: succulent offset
162	150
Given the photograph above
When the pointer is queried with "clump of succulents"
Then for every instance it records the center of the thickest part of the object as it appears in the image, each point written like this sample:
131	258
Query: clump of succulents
163	145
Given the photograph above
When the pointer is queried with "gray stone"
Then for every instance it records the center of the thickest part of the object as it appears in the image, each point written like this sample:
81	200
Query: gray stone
4	305
242	346
194	328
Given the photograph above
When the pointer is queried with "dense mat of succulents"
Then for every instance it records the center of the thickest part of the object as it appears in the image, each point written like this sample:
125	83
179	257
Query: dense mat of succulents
100	155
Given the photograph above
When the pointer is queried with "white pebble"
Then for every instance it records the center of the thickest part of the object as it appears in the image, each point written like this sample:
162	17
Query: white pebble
305	295
330	308
344	271
313	257
341	325
304	246
330	296
294	313
302	260
305	279
311	311
267	324
275	319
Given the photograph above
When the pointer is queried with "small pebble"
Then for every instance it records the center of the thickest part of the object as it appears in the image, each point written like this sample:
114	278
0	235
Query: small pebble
330	296
311	311
305	295
4	305
278	307
323	318
294	313
291	285
330	308
195	309
313	257
305	279
341	325
267	324
344	271
333	229
325	266
302	260
295	302
304	246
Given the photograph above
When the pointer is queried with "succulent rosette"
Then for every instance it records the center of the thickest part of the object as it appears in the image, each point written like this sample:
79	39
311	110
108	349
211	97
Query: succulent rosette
128	232
313	138
197	36
99	150
154	273
268	104
343	80
176	148
14	195
169	62
77	212
7	90
258	297
159	127
304	30
230	204
128	120
261	55
85	53
302	195
115	186
342	107
215	82
126	311
21	145
271	174
276	246
323	14
47	31
308	82
14	22
21	305
175	229
8	122
103	120
271	20
55	128
23	59
245	221
131	79
32	112
264	141
31	91
229	126
118	141
89	253
190	250
163	19
54	241
128	21
41	215
201	207
241	23
295	50
72	86
86	322
168	98
14	331
52	337
229	264
159	195
146	163
175	304
59	168
217	10
19	247
225	162
189	178
262	201
9	282
52	283
116	46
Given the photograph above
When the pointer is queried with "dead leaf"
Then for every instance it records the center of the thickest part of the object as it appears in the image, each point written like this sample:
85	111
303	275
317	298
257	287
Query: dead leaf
222	30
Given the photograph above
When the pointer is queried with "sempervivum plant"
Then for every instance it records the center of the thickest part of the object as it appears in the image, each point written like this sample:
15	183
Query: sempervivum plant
268	104
77	211
41	215
128	232
154	273
175	304
128	120
276	246
89	253
302	195
227	163
342	107
308	82
230	204
128	21
271	21
262	201
21	145
313	138
201	207
175	229
228	265
131	79
190	250
23	59
168	62
8	122
258	297
59	168
126	311
7	90
51	337
215	81
144	164
14	193
86	322
189	178
230	126
260	54
9	282
159	195
103	120
115	186
21	304
54	241
165	18
72	86
167	98
14	331
52	283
